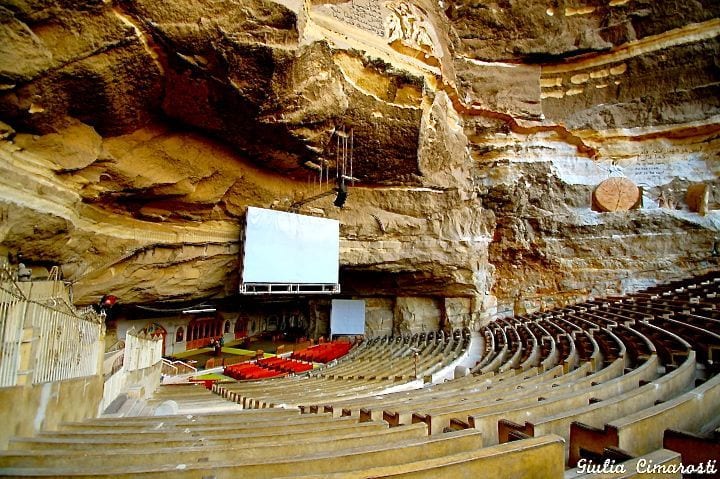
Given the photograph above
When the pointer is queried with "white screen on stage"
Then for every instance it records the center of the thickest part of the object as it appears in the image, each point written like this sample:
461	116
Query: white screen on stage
347	316
288	248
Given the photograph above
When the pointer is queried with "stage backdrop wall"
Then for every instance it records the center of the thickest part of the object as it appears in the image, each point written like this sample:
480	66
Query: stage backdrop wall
347	316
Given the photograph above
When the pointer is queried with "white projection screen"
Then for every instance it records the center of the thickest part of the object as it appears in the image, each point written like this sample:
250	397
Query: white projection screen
288	249
347	316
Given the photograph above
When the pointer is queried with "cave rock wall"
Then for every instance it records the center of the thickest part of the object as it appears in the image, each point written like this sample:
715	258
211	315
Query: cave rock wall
133	135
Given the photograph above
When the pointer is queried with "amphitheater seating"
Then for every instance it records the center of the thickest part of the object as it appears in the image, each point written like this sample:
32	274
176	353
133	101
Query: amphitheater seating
694	448
267	443
603	379
533	458
643	341
505	392
369	368
272	448
642	431
586	339
598	412
495	356
266	368
251	371
438	456
399	408
263	444
323	353
285	365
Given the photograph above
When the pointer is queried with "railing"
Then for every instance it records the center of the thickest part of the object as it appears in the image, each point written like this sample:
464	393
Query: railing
12	319
113	363
173	368
67	345
41	332
118	345
141	351
130	365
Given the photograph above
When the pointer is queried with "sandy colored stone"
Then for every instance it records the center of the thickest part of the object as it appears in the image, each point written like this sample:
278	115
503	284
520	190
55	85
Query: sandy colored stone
416	315
378	317
697	198
75	147
616	194
139	132
458	313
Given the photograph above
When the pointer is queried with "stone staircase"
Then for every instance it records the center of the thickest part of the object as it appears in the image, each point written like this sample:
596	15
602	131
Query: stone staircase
172	399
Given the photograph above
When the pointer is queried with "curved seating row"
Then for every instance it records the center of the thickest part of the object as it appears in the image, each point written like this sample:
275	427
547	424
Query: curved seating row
266	368
371	367
267	443
285	365
323	353
615	362
601	379
251	370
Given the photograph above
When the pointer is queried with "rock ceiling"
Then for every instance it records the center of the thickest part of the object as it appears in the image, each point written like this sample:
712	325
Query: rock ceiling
135	134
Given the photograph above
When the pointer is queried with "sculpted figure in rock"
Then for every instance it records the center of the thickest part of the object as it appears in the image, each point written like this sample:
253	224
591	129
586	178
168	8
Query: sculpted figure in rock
408	24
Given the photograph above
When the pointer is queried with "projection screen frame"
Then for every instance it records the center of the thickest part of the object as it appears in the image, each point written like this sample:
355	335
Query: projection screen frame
289	288
286	287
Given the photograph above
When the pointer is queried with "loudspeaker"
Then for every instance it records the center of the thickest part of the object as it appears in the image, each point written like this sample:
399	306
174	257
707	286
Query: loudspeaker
341	196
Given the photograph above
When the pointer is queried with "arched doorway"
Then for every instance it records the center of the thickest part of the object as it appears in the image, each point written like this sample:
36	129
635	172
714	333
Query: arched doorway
200	331
241	327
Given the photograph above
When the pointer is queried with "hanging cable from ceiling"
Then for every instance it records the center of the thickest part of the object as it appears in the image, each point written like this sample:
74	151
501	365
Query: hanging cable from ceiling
344	146
341	166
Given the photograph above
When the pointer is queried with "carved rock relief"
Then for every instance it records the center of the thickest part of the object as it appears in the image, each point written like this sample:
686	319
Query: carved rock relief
408	24
395	21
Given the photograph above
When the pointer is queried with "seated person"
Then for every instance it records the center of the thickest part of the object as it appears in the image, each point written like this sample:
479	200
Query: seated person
24	273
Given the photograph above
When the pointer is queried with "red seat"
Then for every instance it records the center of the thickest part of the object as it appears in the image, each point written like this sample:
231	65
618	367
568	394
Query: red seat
323	353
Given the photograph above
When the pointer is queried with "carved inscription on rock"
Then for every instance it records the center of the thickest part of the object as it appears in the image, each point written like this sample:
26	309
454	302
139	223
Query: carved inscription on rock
394	20
648	173
363	14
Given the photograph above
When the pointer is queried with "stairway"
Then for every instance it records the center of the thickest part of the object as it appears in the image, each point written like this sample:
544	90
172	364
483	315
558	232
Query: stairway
169	400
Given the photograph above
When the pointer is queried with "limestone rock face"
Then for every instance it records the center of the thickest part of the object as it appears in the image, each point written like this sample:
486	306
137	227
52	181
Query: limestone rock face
535	30
416	315
379	317
133	135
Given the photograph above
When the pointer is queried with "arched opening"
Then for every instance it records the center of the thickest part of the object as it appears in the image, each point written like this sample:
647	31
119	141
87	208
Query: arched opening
179	335
202	330
241	327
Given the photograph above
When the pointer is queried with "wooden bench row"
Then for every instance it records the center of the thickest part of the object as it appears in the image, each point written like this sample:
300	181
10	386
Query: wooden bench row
390	451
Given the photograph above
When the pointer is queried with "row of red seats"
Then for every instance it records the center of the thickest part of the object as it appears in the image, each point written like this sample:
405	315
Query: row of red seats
323	353
250	371
286	365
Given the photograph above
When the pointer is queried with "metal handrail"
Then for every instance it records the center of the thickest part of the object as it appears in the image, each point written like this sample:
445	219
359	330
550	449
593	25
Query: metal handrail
7	276
173	365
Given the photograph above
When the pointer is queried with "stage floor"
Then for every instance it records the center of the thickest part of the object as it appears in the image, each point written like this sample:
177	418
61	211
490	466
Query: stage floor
231	351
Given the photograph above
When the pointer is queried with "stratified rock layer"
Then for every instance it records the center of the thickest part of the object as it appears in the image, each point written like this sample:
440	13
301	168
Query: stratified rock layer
135	134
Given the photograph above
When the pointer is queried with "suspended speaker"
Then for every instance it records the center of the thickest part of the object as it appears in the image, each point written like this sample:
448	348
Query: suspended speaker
341	196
